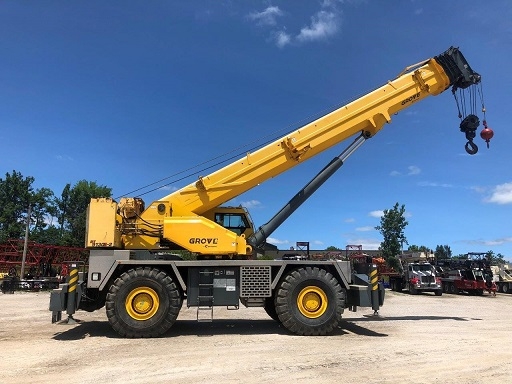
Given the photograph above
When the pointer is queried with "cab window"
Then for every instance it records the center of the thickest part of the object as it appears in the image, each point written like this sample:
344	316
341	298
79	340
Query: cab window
232	221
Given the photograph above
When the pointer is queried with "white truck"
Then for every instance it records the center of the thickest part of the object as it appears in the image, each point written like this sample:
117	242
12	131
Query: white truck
416	274
502	276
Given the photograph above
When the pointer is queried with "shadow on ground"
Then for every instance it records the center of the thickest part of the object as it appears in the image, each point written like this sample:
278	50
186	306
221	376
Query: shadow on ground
84	329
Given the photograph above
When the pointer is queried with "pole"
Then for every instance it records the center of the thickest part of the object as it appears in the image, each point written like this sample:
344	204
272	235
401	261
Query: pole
25	245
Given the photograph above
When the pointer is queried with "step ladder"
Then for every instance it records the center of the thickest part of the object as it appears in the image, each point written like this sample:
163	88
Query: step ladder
205	296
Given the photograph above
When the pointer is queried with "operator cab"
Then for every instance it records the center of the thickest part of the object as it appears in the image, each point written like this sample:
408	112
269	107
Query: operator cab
235	222
235	219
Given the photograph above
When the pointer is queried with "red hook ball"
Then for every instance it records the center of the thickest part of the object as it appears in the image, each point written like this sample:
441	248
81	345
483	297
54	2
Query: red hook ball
487	134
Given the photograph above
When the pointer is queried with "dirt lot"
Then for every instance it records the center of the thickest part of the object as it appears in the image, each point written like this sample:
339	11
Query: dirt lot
420	339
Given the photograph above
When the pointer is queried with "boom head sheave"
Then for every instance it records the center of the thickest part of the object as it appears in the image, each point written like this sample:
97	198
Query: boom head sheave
463	81
457	69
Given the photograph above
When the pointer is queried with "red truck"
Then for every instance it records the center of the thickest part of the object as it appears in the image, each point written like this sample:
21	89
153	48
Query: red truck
463	275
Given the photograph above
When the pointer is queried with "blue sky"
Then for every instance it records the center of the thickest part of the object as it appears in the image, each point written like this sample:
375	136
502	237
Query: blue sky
126	93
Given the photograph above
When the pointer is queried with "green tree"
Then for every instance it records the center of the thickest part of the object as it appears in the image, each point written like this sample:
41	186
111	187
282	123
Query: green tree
392	225
495	259
62	205
421	248
73	209
43	212
394	263
43	208
14	201
16	195
332	248
500	259
443	252
48	235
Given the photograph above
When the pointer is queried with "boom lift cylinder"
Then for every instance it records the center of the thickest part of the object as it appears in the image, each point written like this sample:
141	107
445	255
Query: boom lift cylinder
259	237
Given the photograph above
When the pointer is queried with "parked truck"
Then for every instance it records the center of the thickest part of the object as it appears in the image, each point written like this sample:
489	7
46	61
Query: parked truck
464	275
416	274
502	277
143	289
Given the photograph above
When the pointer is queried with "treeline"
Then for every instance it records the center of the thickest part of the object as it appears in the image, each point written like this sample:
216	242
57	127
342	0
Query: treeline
58	220
442	252
392	228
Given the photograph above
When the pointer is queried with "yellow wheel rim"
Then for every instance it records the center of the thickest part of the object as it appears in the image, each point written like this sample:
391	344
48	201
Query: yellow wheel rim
142	303
312	302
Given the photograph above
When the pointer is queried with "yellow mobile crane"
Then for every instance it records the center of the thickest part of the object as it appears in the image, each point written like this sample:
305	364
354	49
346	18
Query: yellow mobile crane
143	292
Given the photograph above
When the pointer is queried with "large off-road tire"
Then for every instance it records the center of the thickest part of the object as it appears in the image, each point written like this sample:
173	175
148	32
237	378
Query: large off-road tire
505	288
143	302
446	287
270	308
310	301
438	292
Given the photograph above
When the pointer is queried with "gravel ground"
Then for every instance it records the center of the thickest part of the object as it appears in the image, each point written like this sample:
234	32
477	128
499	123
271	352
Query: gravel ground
417	339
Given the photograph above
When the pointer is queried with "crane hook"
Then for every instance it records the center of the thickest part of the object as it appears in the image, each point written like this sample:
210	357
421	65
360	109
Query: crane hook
469	126
471	148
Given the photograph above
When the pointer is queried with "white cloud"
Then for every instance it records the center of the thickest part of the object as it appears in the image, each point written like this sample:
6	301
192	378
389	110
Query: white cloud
501	194
266	17
251	204
368	244
365	229
350	220
274	241
63	158
490	243
377	214
282	39
433	184
413	170
323	25
478	189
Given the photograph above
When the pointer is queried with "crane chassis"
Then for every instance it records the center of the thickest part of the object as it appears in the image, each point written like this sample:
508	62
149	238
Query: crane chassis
142	286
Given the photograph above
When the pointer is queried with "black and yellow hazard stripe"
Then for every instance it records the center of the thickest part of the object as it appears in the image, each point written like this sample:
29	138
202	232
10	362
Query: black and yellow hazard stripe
374	282
71	295
73	280
374	279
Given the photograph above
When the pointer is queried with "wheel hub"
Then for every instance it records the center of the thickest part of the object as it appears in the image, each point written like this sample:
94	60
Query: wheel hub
312	302
142	303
